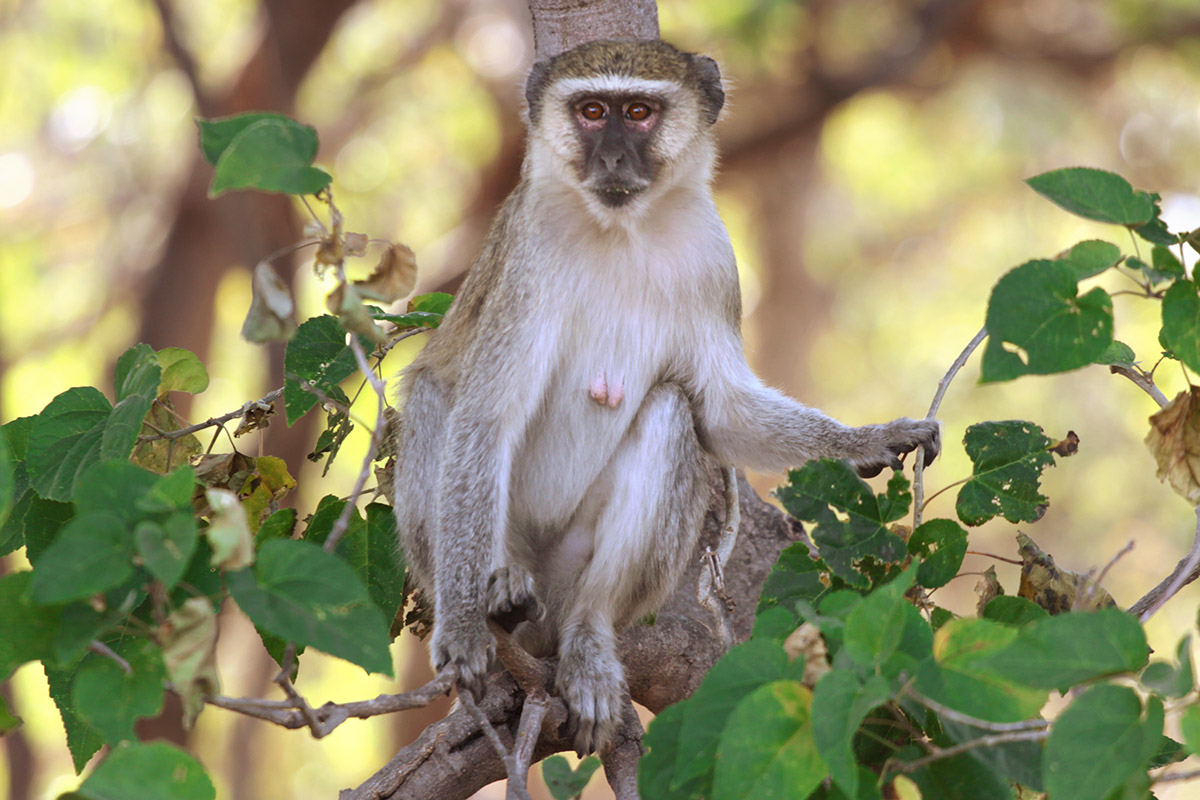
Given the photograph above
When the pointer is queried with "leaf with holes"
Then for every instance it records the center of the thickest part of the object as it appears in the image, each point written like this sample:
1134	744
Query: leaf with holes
1009	458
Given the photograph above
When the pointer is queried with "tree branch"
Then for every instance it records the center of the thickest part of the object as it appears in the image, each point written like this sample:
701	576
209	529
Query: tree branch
1186	571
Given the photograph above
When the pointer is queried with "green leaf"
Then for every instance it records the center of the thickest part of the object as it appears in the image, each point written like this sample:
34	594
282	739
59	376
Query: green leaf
151	771
300	593
1099	742
270	155
424	311
166	548
82	740
1009	458
1016	761
767	748
796	575
123	426
1094	194
182	371
1189	726
1061	651
91	554
115	487
840	703
875	626
1181	322
1016	611
65	440
43	521
1038	324
941	544
26	630
318	355
432	303
8	481
277	526
961	677
137	373
1118	354
111	700
657	769
368	546
1169	752
217	134
851	521
8	722
1155	231
739	672
565	783
958	777
1090	258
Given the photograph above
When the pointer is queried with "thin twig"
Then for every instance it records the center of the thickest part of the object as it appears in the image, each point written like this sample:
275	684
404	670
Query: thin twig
1087	588
1143	381
1175	776
710	591
1185	572
975	722
943	385
990	740
517	789
267	399
285	714
101	649
343	521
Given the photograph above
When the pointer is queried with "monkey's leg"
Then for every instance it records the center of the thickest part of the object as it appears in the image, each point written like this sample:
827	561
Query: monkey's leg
648	505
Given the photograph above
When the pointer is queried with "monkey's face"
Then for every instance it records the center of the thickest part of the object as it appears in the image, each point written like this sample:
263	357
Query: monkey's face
621	123
615	160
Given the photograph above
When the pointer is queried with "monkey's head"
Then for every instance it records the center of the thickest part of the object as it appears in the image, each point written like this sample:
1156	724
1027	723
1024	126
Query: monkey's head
619	119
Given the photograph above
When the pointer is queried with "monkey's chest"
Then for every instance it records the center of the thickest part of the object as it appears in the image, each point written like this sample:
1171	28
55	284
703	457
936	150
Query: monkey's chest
605	367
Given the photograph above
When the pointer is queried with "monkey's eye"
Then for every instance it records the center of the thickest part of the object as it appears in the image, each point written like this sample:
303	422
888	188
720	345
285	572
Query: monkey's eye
592	111
637	112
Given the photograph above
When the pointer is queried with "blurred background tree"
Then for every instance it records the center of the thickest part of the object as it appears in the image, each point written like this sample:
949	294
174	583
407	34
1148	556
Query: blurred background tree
873	158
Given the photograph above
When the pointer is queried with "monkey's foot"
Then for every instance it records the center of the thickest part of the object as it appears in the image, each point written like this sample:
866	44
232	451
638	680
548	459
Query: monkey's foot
887	442
512	598
604	393
591	681
466	646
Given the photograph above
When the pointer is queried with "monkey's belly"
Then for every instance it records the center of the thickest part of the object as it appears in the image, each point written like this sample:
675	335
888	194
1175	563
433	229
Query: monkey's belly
567	444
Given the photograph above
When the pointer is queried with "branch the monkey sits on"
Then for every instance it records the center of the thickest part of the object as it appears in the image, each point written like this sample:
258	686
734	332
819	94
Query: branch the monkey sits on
559	428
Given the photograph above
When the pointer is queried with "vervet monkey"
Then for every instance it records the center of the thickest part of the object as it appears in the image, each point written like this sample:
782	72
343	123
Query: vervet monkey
559	427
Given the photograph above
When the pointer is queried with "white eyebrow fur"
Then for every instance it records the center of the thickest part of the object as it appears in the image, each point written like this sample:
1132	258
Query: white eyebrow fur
613	83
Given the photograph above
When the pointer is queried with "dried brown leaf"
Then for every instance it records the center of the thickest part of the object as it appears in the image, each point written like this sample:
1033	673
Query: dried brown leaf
806	642
257	416
988	588
355	244
1174	441
346	303
394	277
163	455
189	642
270	317
1068	446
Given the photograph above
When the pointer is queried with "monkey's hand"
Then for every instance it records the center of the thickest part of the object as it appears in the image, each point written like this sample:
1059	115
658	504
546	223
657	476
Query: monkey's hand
464	645
884	444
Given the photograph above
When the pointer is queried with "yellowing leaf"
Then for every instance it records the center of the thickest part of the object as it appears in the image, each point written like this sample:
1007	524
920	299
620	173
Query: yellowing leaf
988	588
271	308
163	455
229	531
273	483
189	642
1174	441
394	277
1054	589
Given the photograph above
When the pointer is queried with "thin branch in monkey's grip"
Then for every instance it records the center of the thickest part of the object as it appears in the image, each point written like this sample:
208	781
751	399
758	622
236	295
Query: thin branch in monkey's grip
943	385
711	591
533	714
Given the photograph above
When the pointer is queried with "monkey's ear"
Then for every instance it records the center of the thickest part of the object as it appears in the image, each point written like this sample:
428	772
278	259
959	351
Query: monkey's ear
535	85
712	94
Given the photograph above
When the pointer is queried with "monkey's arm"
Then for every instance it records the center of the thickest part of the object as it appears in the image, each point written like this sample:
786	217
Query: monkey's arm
745	423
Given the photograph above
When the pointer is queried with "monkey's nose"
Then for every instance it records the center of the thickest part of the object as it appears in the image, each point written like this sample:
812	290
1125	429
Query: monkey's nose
610	160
